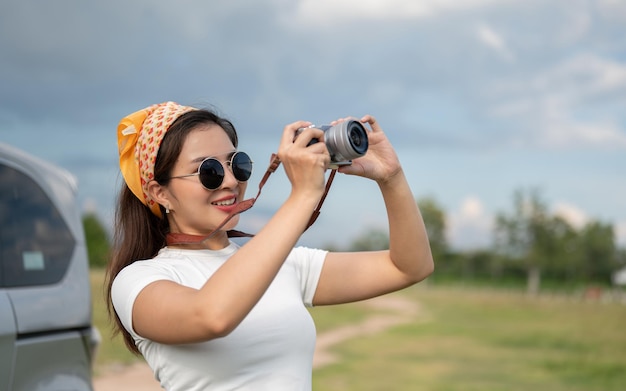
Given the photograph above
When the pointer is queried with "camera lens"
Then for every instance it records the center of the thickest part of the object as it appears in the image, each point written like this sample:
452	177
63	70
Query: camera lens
345	141
355	138
358	137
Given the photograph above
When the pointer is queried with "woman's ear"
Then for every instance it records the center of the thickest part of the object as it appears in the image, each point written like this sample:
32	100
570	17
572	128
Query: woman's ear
159	194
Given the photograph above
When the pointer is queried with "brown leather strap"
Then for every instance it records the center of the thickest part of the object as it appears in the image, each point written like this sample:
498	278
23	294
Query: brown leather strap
318	209
181	238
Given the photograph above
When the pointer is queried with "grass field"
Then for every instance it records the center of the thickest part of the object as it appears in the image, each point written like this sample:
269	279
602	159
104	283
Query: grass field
464	339
111	350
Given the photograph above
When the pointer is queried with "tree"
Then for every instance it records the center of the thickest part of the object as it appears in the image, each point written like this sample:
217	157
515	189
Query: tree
599	250
97	239
373	239
566	260
434	220
526	236
549	245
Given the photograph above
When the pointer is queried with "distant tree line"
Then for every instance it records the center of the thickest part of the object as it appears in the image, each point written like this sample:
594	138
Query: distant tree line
530	246
543	245
97	238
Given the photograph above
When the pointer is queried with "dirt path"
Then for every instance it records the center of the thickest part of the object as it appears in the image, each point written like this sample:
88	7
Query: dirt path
136	377
398	310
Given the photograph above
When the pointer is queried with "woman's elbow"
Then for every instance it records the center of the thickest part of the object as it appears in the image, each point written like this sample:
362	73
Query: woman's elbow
216	326
424	270
429	268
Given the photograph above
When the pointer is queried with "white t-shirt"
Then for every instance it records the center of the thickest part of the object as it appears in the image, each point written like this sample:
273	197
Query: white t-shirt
271	349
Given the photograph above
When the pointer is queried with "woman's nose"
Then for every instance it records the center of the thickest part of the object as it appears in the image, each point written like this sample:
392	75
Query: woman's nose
229	178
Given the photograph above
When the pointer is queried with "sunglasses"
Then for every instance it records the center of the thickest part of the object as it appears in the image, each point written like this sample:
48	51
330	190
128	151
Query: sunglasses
211	171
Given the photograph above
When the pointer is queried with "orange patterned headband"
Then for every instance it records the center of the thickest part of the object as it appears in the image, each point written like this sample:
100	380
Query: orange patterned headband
139	137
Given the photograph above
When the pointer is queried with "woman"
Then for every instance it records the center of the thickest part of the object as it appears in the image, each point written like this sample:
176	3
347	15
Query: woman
209	314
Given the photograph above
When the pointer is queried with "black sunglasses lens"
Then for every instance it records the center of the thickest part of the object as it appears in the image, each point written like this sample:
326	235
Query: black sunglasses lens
211	174
242	166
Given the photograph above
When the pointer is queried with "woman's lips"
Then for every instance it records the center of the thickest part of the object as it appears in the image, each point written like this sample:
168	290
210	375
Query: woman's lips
226	204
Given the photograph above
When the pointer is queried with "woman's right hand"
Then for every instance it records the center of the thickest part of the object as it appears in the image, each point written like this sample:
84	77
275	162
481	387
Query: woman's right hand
304	164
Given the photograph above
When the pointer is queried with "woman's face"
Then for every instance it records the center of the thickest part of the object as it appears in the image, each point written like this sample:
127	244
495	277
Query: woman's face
194	209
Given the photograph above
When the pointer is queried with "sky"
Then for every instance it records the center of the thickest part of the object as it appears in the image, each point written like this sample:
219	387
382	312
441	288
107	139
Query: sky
481	98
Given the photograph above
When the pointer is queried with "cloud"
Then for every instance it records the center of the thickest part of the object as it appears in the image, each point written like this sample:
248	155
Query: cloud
620	233
568	105
330	11
495	41
571	213
470	226
90	205
581	78
578	218
278	52
565	133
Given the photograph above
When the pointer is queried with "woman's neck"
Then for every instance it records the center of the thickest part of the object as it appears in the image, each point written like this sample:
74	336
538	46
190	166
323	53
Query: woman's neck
213	241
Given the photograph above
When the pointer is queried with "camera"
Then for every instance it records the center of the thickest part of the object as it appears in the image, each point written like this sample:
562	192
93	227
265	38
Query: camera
345	141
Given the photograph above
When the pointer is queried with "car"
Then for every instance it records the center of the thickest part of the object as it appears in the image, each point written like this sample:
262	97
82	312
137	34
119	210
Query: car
47	339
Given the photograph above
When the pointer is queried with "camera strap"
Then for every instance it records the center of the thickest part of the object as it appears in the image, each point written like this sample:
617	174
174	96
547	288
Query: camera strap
181	238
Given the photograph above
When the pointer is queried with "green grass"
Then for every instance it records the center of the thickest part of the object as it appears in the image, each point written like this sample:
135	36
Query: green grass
489	340
463	339
112	350
330	317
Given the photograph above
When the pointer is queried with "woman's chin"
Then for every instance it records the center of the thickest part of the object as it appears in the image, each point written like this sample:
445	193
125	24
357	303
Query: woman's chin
231	224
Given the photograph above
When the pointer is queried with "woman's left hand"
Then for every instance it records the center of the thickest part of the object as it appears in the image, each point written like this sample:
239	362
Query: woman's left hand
380	163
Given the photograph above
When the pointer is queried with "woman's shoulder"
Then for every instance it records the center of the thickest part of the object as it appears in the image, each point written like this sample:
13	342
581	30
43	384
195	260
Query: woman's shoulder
172	263
299	250
305	254
145	267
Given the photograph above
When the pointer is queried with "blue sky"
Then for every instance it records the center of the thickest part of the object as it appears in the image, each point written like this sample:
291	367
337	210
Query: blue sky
479	97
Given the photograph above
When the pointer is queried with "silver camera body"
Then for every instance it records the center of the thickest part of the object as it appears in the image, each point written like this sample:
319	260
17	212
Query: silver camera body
345	141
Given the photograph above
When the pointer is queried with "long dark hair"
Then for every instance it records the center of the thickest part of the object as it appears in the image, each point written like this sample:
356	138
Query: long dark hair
138	233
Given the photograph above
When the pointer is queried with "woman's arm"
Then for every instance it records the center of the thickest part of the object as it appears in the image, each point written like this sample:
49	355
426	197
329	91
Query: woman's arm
355	276
167	312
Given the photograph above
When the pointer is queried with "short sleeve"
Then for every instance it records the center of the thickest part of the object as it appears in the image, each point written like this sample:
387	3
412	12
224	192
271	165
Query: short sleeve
127	285
308	263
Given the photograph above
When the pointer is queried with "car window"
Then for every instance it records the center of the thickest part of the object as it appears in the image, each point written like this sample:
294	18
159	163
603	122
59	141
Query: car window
35	243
